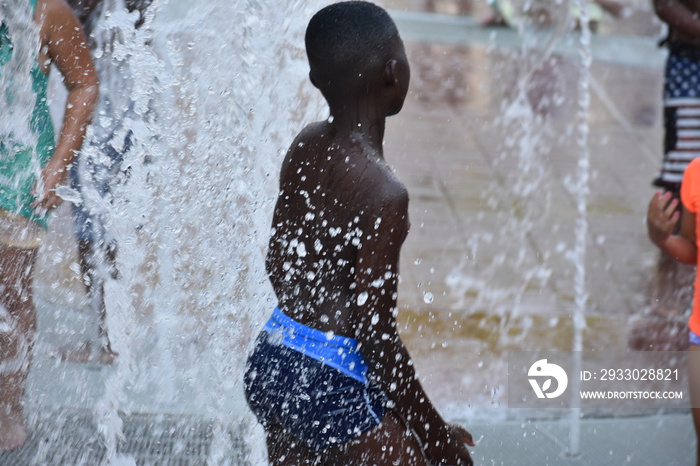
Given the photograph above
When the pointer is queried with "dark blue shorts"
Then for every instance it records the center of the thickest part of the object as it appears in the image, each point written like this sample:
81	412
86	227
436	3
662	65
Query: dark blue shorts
320	405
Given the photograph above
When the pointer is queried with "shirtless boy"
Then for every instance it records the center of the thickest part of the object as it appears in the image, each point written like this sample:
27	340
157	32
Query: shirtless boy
330	379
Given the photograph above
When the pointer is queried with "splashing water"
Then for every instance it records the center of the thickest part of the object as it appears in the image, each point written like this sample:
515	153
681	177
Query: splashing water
530	124
582	191
16	94
18	19
213	93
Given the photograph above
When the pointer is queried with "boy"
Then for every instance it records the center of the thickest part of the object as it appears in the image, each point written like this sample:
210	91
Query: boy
330	379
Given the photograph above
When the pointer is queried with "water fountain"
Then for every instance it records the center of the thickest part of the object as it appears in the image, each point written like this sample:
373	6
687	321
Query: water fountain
215	93
531	257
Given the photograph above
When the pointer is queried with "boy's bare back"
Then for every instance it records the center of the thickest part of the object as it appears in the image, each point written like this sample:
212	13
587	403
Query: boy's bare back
335	189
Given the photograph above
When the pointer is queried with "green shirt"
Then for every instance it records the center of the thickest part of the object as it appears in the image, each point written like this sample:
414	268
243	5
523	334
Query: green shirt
17	173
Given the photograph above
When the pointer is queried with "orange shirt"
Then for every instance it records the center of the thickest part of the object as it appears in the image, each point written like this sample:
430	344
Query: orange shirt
690	196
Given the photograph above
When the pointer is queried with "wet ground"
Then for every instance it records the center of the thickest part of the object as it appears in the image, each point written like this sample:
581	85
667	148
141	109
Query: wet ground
487	146
489	265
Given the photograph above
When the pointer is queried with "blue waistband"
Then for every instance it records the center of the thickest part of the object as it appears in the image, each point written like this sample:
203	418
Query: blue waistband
333	350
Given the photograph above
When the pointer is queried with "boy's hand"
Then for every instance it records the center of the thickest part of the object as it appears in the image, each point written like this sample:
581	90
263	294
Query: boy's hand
662	217
452	449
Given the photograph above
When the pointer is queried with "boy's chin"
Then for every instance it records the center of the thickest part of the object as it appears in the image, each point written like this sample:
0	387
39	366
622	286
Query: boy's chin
393	111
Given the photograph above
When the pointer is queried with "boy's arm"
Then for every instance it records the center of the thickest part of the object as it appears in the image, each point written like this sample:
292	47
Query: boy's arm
390	364
681	18
662	218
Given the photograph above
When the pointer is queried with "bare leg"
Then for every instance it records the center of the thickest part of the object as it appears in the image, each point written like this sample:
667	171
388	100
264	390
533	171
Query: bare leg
17	329
283	449
100	350
387	444
694	380
465	7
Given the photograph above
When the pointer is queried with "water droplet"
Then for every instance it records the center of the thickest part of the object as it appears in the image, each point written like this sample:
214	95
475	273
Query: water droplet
362	298
428	297
301	249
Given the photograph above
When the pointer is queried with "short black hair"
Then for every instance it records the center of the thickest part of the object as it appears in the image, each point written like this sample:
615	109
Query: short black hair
347	38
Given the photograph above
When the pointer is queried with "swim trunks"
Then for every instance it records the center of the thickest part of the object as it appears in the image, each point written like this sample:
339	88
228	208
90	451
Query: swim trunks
312	384
20	164
681	113
694	338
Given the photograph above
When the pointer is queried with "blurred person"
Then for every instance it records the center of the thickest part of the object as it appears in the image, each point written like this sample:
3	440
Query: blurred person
29	180
464	7
664	216
681	100
92	174
505	13
681	90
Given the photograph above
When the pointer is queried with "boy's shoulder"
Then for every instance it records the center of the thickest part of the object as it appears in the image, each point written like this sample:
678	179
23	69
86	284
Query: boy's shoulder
318	129
359	169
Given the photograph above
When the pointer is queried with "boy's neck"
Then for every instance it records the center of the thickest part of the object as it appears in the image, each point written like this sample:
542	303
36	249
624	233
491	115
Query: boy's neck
360	115
360	120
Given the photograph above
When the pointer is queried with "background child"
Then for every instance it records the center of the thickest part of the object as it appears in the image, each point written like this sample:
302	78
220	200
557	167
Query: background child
26	196
662	219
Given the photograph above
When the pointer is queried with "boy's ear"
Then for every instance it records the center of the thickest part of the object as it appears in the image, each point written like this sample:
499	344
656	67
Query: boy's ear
390	72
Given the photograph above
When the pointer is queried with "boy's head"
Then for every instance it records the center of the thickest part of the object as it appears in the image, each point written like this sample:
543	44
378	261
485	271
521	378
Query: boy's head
348	44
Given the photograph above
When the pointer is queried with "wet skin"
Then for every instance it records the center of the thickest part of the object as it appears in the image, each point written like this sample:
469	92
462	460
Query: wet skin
62	43
338	226
683	17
